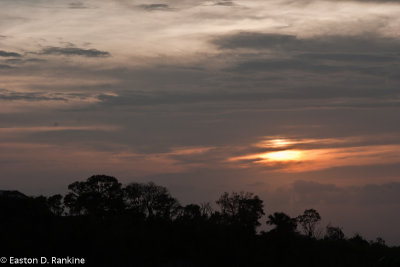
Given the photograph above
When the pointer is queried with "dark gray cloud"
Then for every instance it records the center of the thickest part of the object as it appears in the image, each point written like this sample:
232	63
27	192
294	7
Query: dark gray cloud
74	51
381	96
24	60
332	44
171	98
29	97
225	3
349	57
253	40
365	54
9	95
9	54
305	65
77	5
3	66
154	7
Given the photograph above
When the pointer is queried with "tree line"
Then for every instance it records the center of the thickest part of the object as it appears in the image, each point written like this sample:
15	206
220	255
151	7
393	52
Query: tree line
142	224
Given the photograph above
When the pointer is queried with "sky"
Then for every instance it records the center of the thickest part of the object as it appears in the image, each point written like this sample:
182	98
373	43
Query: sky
296	101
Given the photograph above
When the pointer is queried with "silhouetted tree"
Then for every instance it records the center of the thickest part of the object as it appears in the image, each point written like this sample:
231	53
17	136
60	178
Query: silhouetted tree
55	204
308	221
379	241
14	204
358	240
242	209
98	195
283	223
206	209
151	199
334	233
190	213
195	236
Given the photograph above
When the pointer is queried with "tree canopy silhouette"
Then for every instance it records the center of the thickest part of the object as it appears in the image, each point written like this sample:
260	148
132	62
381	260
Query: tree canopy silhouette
334	233
308	221
150	199
282	223
98	195
142	224
242	209
55	204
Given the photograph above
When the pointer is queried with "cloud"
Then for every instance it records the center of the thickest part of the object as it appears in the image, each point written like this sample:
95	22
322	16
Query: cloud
173	98
259	98
307	155
155	7
9	54
366	43
349	57
8	95
74	51
225	3
253	40
77	5
26	60
56	128
265	52
3	66
313	66
30	97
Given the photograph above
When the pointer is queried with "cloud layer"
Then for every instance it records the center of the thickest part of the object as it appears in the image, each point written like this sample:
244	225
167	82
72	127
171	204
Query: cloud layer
173	91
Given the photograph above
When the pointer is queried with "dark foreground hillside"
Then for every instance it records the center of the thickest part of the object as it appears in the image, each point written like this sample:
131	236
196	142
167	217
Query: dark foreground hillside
143	225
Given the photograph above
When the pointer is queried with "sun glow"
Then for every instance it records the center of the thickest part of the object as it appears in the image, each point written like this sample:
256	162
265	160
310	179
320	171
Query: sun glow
302	155
285	155
280	142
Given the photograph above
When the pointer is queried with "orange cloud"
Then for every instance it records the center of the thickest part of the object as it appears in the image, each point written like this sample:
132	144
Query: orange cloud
286	159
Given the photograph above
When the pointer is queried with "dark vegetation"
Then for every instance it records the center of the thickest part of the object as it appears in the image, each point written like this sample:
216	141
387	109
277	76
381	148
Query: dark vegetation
143	225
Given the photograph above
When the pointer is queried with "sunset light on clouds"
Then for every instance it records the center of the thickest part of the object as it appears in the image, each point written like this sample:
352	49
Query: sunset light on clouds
313	157
274	97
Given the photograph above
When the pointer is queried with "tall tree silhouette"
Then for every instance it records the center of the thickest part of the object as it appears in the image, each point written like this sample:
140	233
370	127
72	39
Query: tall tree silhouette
55	204
308	221
98	195
151	199
283	223
334	233
242	209
191	214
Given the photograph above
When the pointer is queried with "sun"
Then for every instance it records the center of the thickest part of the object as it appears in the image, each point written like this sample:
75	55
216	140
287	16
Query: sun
285	155
282	152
